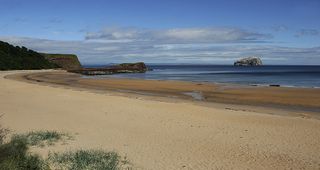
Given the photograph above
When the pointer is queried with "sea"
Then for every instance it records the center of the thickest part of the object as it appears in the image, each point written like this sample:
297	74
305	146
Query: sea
283	75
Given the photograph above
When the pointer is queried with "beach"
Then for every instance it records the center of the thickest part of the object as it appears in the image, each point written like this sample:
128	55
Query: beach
168	124
294	100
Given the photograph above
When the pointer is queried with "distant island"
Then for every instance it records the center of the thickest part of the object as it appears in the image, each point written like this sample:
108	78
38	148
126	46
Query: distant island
248	61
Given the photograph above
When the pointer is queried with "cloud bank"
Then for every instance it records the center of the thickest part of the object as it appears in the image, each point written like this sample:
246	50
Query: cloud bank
179	35
183	45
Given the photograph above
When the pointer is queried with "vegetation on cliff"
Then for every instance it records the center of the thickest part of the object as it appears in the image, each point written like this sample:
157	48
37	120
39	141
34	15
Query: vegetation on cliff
65	61
19	58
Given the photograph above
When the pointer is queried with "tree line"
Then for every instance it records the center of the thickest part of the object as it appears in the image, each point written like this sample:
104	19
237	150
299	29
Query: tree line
21	58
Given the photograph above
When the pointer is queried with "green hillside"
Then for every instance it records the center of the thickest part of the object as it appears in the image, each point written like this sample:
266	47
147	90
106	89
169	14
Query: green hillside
21	58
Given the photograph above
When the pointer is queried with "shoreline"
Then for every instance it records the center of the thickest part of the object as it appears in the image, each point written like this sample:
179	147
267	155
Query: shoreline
97	77
240	97
266	75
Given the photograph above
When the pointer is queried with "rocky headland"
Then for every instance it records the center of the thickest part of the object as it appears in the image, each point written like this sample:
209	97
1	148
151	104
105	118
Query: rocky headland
139	67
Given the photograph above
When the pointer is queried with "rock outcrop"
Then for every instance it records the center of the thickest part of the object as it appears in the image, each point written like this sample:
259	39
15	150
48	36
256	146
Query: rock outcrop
64	61
139	67
248	61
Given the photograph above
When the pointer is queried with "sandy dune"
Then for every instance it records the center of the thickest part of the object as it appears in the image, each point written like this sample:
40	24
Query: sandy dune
163	135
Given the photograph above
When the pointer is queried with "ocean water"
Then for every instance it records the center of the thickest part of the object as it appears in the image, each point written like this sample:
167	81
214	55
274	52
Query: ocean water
290	76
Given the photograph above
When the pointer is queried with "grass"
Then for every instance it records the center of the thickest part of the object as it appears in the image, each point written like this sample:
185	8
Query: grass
15	155
85	159
3	133
43	138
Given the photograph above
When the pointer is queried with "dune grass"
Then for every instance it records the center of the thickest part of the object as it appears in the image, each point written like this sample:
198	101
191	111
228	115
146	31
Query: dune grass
15	155
3	133
43	138
85	159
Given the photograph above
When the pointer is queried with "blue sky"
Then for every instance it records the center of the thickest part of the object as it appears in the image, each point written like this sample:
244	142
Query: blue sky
166	31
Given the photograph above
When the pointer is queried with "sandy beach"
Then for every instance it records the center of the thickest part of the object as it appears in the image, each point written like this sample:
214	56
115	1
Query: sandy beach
180	132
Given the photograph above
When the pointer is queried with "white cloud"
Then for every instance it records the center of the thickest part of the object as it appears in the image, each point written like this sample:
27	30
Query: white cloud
106	49
280	28
179	35
102	51
307	32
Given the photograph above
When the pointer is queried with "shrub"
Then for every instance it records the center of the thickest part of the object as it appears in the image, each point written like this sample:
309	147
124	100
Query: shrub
85	159
14	155
42	138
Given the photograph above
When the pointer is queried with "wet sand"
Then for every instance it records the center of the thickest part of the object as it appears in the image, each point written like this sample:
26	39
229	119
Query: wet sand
290	99
157	132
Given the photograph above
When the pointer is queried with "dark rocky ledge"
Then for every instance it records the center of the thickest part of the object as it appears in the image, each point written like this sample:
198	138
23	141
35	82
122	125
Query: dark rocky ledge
139	67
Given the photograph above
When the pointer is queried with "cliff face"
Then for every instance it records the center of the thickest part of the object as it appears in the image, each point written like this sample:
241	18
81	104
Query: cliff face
65	61
249	61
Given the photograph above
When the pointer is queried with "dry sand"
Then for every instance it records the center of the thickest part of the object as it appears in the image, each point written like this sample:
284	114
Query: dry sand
162	135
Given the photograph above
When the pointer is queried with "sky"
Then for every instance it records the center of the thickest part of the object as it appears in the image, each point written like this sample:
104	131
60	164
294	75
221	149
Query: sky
167	31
